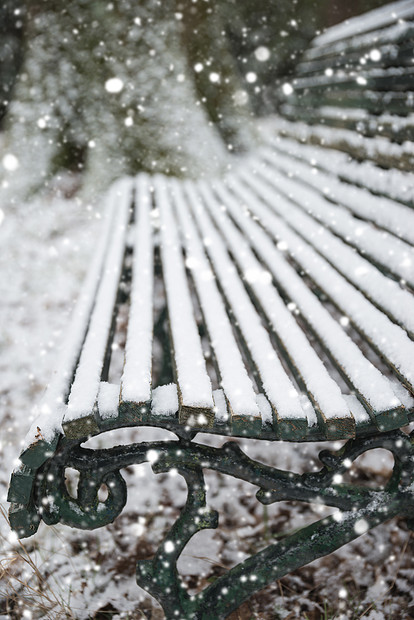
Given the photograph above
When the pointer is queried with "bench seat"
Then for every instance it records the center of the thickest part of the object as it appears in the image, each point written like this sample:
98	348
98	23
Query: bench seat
273	303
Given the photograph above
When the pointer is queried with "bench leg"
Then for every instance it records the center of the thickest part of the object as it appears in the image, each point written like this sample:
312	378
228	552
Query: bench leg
360	509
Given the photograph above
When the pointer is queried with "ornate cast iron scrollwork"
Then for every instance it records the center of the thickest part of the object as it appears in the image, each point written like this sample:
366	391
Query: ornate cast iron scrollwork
360	508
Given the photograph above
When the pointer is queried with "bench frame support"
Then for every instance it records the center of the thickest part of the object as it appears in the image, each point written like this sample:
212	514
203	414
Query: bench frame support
360	508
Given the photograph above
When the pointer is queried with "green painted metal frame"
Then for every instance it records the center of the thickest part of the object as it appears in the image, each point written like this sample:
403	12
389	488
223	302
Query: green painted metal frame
360	508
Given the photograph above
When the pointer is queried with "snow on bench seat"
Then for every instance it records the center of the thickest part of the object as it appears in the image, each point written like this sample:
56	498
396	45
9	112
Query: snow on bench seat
384	292
236	384
384	212
277	386
136	377
379	149
42	438
244	264
195	389
79	416
385	249
365	379
326	396
394	184
390	340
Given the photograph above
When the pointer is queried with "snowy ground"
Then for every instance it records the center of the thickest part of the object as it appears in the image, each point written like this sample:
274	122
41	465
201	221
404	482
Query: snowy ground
67	573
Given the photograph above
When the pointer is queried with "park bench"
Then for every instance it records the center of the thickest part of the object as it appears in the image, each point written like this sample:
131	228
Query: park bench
273	303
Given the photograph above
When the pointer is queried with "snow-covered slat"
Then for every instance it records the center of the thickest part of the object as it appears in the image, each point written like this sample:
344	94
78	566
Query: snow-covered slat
361	416
365	379
195	391
221	414
388	44
375	99
398	128
276	384
373	20
164	405
108	401
391	253
47	427
79	418
393	217
390	340
234	378
382	291
334	414
379	149
136	377
394	184
395	78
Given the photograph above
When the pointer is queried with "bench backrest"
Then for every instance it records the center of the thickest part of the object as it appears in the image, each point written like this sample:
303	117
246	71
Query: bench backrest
359	76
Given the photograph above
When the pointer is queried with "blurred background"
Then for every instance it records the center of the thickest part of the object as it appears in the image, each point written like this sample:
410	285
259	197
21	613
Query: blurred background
106	88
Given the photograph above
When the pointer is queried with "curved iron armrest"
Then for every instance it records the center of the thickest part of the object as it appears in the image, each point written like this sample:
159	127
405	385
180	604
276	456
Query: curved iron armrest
360	509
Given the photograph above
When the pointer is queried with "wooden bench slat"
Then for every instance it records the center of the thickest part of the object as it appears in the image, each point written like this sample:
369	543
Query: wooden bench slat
165	404
376	101
372	21
373	389
394	184
362	417
374	79
79	417
234	378
393	254
384	292
390	340
380	150
195	389
47	427
334	414
387	214
136	377
107	402
392	43
221	413
277	385
398	129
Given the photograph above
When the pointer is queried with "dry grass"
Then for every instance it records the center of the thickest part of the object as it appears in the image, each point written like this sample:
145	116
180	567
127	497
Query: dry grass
24	591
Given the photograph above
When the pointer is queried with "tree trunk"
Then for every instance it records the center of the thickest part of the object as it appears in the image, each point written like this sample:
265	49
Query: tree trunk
109	88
